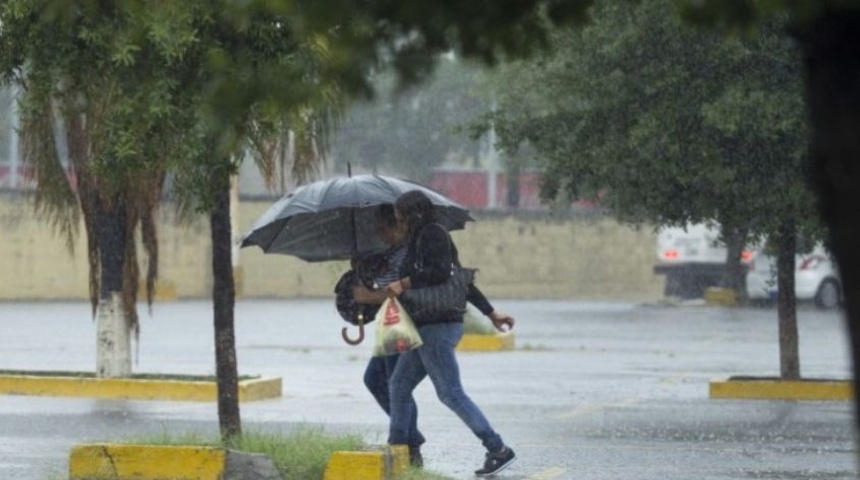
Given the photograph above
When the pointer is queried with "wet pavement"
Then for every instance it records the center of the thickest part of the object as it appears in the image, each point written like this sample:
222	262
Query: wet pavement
592	391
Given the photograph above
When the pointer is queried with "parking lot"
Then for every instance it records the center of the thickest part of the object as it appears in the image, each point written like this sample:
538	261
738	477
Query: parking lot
593	390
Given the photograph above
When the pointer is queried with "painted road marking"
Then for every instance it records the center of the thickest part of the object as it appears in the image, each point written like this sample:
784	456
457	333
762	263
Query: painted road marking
675	379
547	474
589	409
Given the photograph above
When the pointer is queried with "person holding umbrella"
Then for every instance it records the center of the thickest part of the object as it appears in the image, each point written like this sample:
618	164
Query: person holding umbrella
384	268
428	262
333	220
379	369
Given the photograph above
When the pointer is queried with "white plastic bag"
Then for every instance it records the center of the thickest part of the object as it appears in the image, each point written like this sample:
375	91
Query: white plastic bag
395	330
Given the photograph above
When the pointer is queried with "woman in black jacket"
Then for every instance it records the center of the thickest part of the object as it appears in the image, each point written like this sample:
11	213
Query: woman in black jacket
429	258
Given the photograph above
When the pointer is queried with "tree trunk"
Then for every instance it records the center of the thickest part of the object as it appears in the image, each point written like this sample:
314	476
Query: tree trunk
789	354
735	276
831	49
113	338
223	299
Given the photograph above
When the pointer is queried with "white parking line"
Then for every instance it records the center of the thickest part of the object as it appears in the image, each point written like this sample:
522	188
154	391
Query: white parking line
588	409
675	379
547	474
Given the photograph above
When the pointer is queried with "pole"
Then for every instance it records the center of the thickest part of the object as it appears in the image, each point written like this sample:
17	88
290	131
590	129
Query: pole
492	163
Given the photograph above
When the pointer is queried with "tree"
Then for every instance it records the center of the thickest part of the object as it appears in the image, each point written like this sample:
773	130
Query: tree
117	132
826	33
667	124
143	110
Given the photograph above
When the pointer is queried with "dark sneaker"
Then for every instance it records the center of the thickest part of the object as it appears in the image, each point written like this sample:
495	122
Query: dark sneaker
415	458
495	462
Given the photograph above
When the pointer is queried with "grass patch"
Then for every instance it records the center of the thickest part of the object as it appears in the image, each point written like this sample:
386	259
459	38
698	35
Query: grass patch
301	455
474	323
298	455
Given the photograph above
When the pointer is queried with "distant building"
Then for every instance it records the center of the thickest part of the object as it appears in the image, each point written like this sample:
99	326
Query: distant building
471	188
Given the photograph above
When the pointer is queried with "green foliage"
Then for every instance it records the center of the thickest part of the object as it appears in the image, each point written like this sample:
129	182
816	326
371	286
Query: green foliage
125	95
300	455
665	123
411	33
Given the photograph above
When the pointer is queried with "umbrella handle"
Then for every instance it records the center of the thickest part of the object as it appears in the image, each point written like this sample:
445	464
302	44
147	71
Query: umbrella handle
343	333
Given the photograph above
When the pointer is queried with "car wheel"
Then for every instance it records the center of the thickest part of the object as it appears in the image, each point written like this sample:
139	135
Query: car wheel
828	295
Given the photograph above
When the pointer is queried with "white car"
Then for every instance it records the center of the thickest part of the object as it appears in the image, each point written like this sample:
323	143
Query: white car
815	279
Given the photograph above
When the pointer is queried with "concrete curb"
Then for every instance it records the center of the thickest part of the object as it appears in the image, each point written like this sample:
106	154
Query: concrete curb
724	297
149	462
377	463
133	389
777	389
486	343
164	291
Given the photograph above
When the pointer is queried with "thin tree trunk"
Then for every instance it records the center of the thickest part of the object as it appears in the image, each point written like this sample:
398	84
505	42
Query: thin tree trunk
735	274
223	299
831	48
789	354
113	338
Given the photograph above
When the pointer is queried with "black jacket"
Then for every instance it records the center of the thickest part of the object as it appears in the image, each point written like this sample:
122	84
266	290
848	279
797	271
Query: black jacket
428	262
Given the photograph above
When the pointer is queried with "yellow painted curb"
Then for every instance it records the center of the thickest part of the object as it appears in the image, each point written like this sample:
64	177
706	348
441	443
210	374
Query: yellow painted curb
724	297
135	389
163	291
486	343
145	462
776	389
378	463
259	389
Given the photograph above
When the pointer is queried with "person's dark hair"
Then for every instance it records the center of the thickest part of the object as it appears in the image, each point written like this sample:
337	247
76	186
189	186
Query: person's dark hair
416	209
385	215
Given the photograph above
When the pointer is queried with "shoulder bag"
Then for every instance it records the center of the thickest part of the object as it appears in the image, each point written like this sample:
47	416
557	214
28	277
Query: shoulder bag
443	300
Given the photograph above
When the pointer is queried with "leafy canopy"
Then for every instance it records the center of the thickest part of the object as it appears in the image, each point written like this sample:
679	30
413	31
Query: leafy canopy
663	122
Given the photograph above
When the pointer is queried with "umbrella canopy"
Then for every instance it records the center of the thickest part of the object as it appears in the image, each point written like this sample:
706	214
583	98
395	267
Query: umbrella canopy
335	219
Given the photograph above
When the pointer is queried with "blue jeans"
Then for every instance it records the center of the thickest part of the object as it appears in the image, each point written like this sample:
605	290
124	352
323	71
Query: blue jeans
376	376
436	359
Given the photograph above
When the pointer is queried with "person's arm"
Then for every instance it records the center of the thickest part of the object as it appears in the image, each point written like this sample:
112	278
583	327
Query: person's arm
434	255
362	294
476	297
502	321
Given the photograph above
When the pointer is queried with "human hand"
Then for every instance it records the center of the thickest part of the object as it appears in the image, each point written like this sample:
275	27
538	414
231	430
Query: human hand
501	320
362	294
395	288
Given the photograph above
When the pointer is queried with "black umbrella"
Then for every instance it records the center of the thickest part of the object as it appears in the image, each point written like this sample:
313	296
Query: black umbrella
335	219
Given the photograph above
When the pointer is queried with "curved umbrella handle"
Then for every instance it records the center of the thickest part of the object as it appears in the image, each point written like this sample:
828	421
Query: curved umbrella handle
343	333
